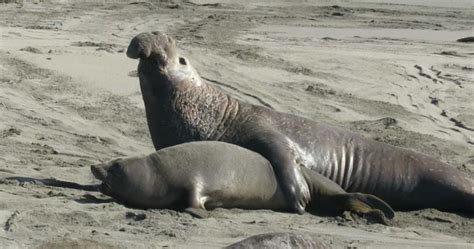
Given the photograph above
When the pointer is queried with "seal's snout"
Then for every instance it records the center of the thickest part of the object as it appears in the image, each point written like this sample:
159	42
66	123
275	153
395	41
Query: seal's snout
145	45
140	46
99	171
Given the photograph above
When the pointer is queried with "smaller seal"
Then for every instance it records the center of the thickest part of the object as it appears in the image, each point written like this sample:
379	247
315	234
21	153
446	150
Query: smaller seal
210	174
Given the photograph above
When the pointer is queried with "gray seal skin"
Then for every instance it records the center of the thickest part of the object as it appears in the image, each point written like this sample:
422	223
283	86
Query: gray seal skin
210	174
279	241
180	108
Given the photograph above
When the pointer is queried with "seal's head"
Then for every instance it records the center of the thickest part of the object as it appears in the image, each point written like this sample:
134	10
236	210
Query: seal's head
161	67
108	173
130	181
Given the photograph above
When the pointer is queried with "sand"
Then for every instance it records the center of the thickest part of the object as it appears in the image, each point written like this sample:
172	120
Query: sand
70	98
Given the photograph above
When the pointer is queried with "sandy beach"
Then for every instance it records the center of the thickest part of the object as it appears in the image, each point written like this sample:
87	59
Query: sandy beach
70	98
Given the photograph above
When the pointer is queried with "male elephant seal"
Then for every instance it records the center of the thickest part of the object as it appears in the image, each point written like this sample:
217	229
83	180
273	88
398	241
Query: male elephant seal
210	174
180	108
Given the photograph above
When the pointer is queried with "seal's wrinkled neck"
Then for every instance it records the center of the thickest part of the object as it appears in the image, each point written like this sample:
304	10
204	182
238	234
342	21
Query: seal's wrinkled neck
199	113
180	107
205	110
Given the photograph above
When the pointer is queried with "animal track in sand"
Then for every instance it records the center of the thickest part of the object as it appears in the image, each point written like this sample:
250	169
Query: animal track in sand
438	76
10	224
448	77
460	124
10	132
260	100
422	73
450	53
405	74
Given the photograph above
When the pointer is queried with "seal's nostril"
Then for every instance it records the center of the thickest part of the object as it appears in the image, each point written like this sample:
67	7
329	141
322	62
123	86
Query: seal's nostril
182	61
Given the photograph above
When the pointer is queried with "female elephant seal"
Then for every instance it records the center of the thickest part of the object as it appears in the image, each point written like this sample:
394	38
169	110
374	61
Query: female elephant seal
210	174
180	108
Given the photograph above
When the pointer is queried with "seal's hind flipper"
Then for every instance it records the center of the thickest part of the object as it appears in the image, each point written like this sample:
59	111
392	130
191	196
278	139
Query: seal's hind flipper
365	203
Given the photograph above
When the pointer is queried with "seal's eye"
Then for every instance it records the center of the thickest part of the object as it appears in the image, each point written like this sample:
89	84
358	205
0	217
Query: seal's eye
182	61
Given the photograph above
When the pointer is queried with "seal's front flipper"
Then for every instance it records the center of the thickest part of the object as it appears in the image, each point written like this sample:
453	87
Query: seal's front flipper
198	212
366	205
280	151
195	205
373	202
377	216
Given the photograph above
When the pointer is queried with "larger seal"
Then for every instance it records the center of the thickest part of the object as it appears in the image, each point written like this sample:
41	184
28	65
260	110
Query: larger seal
210	174
180	108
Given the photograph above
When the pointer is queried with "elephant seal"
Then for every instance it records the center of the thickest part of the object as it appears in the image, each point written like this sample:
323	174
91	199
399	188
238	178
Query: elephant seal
279	241
180	107
210	174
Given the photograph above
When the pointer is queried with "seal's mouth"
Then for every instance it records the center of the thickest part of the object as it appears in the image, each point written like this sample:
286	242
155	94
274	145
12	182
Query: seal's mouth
100	172
105	189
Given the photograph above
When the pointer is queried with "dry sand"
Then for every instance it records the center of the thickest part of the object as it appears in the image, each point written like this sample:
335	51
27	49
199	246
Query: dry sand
70	98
